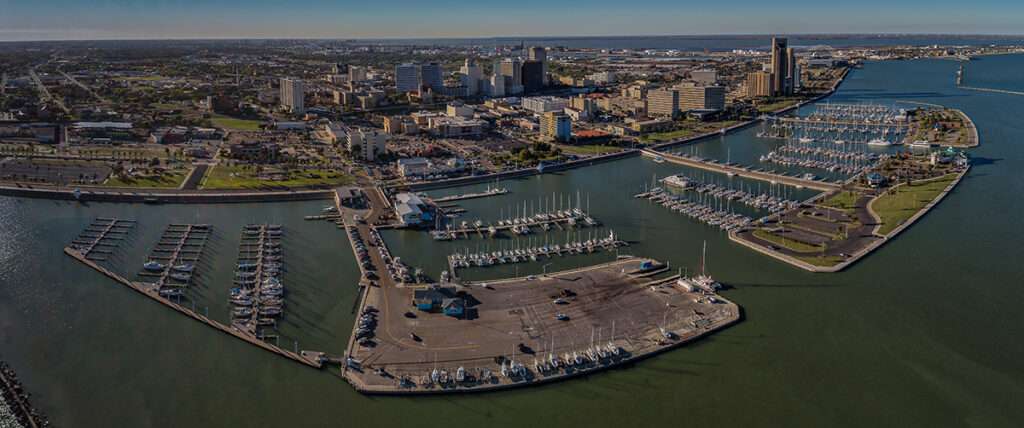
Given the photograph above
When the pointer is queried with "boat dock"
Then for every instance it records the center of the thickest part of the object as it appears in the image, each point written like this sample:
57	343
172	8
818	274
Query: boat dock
257	292
742	171
98	239
175	256
561	220
465	196
532	253
150	292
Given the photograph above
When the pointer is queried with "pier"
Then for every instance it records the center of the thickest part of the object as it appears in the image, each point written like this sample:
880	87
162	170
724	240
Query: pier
97	237
742	171
522	337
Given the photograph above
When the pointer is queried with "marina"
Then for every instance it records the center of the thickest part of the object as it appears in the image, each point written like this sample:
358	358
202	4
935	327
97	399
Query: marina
545	214
495	191
309	358
532	253
708	209
732	170
257	293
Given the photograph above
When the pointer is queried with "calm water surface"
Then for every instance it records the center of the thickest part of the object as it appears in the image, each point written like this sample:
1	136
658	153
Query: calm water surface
925	332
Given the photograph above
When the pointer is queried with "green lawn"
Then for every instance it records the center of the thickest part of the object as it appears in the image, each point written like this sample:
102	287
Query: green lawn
239	177
666	136
592	149
787	243
171	179
844	200
234	124
894	209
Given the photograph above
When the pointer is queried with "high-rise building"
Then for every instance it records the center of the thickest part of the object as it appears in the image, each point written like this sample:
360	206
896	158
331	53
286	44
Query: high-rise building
556	126
293	95
701	98
539	54
407	78
432	76
356	73
533	76
663	102
782	67
472	77
512	69
497	85
759	84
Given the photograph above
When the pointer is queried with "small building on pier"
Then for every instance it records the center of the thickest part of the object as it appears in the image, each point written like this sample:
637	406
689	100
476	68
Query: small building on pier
443	299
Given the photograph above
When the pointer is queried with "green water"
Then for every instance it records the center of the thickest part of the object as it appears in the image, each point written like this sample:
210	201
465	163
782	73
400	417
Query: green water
922	333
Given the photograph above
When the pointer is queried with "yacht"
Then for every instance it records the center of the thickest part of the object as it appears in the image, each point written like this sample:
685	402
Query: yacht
153	266
879	142
184	267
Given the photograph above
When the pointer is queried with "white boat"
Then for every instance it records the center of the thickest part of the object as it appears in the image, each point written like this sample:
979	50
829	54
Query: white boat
184	267
879	142
805	140
153	266
921	144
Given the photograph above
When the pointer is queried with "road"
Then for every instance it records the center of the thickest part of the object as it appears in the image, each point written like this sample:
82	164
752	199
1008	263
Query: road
83	86
44	94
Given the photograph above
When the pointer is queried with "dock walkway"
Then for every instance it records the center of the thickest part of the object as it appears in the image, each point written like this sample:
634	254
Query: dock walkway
743	171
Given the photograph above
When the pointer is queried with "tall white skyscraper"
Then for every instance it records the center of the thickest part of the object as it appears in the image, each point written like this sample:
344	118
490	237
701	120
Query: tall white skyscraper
471	76
513	69
407	78
293	96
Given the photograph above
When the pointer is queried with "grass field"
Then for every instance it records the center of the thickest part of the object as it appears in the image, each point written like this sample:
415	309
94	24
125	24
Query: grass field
666	136
234	124
170	179
789	244
845	200
237	177
894	209
592	149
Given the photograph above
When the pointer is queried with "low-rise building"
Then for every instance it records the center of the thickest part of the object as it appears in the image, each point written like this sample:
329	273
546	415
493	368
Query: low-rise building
367	144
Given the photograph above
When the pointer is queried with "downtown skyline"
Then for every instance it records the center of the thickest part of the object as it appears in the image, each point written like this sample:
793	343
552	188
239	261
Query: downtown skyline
188	19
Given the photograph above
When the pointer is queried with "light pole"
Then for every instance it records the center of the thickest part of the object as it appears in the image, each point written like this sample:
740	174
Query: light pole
545	268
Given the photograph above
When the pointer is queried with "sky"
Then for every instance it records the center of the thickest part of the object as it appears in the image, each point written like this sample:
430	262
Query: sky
162	19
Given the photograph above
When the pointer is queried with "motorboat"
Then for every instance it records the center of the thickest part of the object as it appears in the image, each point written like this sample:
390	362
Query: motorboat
153	266
184	267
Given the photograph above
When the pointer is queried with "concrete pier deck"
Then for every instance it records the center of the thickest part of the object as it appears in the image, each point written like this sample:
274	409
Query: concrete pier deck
608	306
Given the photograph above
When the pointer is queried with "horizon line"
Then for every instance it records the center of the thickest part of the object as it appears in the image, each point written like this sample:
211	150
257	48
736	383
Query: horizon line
500	37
